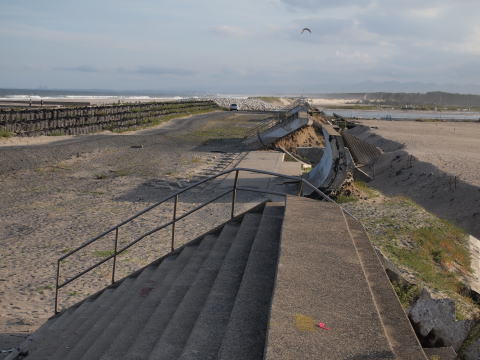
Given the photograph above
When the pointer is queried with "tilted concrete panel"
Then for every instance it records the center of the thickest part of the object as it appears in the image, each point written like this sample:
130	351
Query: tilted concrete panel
331	171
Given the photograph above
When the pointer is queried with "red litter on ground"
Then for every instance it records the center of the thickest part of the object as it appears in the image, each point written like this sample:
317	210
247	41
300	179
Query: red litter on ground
323	326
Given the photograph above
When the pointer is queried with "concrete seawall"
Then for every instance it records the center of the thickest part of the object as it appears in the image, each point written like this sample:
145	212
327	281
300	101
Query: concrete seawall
86	119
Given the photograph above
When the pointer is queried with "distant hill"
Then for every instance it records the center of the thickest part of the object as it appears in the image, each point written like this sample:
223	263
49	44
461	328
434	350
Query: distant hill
437	98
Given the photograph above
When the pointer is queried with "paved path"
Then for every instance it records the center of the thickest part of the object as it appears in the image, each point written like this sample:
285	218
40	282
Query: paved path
327	276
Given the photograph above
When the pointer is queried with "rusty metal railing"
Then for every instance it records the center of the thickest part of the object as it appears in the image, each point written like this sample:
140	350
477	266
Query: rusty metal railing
116	229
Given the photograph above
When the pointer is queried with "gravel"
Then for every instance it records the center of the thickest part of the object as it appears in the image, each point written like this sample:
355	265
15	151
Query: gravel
246	103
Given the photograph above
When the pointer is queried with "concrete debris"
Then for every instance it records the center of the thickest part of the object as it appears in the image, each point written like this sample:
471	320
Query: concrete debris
247	103
330	173
435	323
306	136
311	153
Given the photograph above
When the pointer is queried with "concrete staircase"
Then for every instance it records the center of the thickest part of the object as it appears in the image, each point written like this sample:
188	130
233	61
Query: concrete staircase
255	288
195	303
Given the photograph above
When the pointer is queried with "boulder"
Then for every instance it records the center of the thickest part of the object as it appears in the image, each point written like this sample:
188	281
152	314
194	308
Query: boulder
435	324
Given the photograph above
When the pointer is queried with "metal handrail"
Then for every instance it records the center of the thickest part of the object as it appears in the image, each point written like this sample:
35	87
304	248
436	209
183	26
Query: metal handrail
263	126
175	219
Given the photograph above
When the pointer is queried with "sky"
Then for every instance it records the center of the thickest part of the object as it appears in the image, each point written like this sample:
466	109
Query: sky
247	46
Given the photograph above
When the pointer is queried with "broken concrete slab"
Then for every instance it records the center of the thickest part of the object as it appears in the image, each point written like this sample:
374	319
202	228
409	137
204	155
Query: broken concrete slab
311	153
331	171
435	323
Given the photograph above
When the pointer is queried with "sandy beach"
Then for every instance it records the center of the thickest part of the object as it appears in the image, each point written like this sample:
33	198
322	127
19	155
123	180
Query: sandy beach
57	192
452	147
436	164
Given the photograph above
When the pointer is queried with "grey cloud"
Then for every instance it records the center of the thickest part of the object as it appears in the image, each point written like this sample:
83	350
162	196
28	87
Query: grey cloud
319	4
156	70
80	68
143	70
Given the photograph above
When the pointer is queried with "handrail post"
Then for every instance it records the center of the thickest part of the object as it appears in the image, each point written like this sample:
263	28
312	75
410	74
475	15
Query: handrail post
56	287
115	255
234	194
300	190
174	221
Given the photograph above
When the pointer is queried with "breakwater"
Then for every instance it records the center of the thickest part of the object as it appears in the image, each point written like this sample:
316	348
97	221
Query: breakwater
88	119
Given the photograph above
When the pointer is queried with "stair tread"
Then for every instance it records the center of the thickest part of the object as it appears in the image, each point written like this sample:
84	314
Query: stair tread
104	339
246	331
176	333
127	332
206	336
77	323
80	339
160	314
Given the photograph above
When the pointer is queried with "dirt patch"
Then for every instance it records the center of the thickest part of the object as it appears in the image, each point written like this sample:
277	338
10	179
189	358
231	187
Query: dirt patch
306	136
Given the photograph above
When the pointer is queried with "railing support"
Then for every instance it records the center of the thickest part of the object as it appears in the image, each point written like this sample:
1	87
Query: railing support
175	196
300	189
234	194
56	287
115	255
174	221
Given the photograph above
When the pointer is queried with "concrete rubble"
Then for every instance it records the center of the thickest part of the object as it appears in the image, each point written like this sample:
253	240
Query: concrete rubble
435	323
246	103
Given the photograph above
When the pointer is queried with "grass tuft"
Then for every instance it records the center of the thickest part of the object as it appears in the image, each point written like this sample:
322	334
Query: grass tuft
437	254
107	253
407	293
5	134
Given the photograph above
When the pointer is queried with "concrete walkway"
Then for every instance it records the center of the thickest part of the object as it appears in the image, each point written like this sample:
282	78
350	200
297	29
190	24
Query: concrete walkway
272	161
326	276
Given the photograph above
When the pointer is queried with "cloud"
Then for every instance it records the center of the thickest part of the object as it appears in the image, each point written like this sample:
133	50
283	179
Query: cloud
319	4
80	68
230	31
142	70
156	70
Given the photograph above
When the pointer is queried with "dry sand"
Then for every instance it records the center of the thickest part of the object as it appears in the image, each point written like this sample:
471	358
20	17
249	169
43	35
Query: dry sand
421	161
56	195
453	147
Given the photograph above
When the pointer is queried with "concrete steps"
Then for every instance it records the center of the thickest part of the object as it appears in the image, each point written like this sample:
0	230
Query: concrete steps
181	306
254	288
245	334
206	336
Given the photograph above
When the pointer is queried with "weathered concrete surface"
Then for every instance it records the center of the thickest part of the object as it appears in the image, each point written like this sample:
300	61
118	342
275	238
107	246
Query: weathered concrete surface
331	171
272	161
320	278
474	279
398	329
435	323
311	153
294	119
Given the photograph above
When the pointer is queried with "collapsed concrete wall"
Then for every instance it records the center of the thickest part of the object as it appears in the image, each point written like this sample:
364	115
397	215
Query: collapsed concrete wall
329	174
363	153
289	122
85	119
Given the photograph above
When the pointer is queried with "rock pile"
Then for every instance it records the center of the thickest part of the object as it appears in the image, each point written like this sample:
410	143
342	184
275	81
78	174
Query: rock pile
245	103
